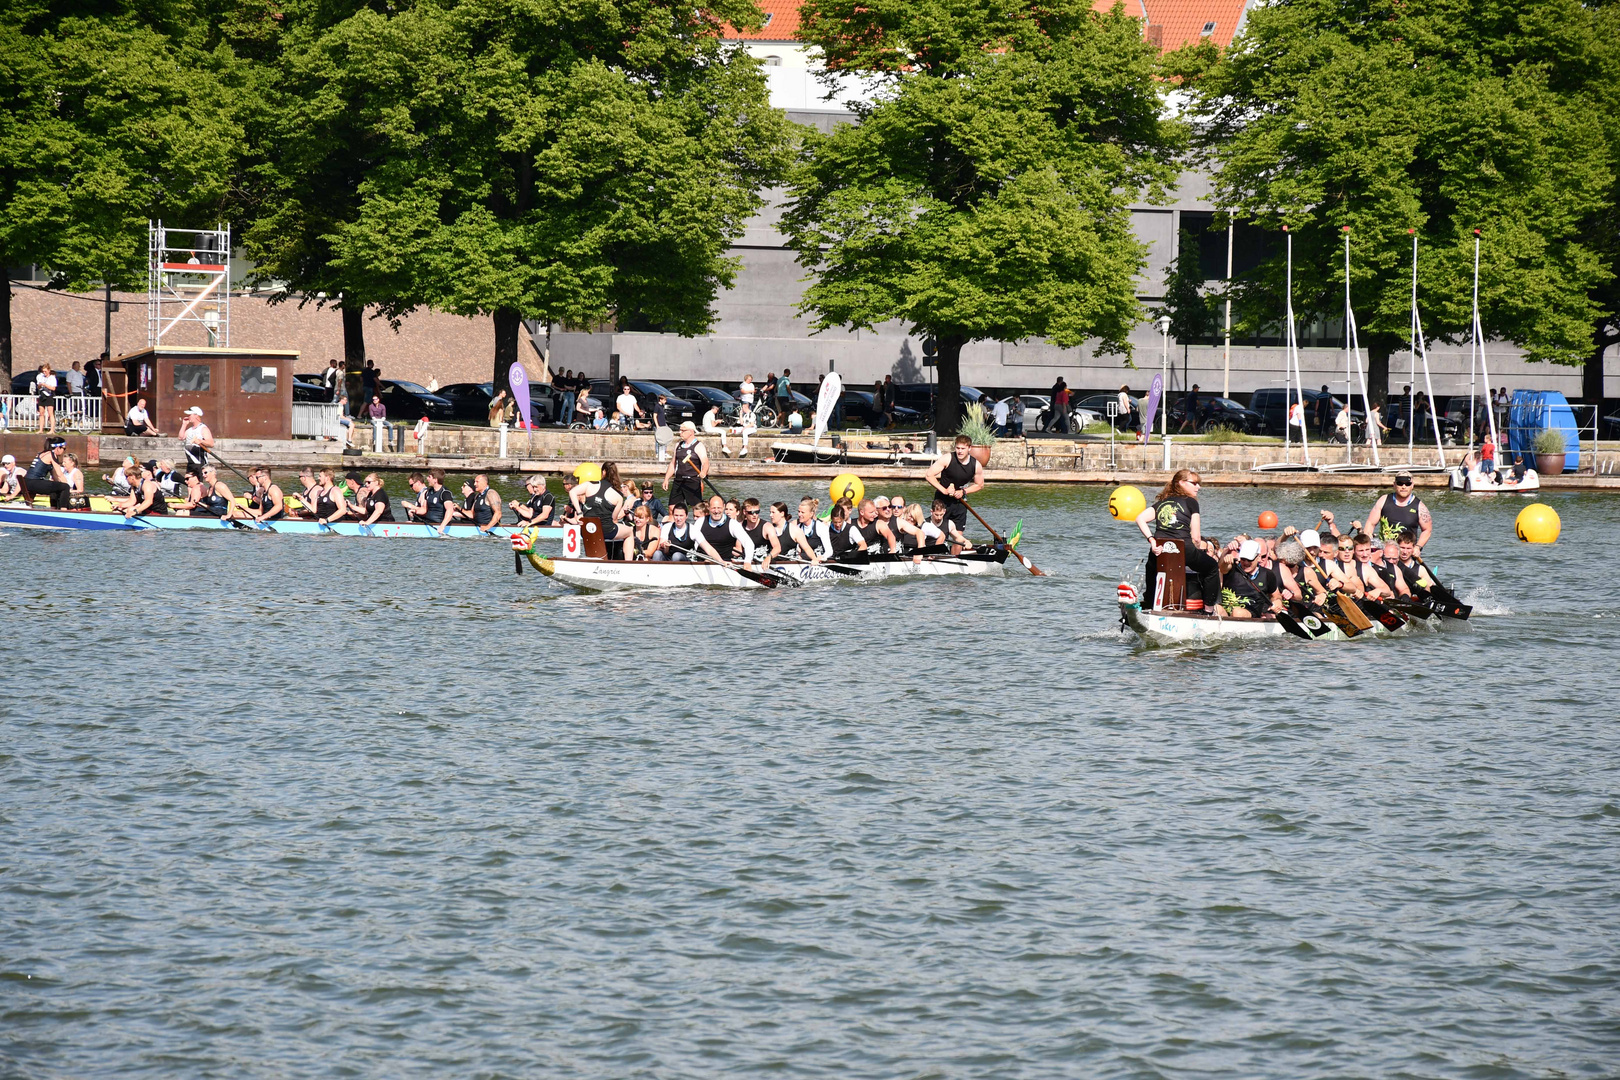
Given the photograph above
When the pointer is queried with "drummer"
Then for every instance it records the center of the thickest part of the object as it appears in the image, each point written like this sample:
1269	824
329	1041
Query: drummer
1175	515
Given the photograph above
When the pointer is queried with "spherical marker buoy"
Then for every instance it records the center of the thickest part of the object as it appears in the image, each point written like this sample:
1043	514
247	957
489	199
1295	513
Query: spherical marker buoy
1126	502
847	486
1537	524
1268	519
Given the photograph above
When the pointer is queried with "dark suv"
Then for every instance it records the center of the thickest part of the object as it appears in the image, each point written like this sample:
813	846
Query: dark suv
676	408
1271	404
920	397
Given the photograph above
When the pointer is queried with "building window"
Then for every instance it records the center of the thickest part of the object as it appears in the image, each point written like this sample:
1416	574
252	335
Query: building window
768	17
773	61
1209	28
191	378
258	380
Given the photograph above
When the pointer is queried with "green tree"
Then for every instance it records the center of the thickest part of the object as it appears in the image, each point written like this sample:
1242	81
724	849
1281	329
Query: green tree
106	121
1602	228
1184	300
314	142
566	164
1385	115
985	194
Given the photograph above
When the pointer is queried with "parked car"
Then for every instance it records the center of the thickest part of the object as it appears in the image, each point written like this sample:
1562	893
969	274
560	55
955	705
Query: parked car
1218	412
470	400
861	408
705	396
1453	429
676	408
408	401
919	397
309	388
1270	404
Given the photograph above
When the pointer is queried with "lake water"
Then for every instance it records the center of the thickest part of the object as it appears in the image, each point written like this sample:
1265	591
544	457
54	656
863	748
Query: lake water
278	806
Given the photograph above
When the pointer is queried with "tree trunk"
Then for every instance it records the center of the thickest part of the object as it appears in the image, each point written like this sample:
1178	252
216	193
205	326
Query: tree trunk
5	333
354	356
507	323
1377	376
1592	376
948	400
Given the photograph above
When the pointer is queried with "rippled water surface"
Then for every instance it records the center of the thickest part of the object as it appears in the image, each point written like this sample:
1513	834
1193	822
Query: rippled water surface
302	807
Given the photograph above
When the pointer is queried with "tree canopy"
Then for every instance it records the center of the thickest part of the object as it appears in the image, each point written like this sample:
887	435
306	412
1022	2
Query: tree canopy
106	121
1441	116
570	164
985	193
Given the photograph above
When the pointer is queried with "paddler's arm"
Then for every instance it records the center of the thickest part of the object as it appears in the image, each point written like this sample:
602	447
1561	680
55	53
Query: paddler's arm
1425	525
496	510
701	452
1196	527
745	550
1142	523
1374	514
376	512
933	473
797	532
775	544
342	509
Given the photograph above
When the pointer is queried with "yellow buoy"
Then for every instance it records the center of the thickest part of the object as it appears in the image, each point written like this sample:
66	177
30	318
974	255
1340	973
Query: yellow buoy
1126	502
847	486
588	473
1537	524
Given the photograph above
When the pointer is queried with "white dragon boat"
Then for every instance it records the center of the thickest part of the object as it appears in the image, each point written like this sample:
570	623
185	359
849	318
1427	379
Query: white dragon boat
17	515
595	574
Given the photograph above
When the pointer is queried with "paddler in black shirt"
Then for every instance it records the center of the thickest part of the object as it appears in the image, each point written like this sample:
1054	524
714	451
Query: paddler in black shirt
1249	590
1400	510
1412	571
956	476
1174	515
371	503
538	508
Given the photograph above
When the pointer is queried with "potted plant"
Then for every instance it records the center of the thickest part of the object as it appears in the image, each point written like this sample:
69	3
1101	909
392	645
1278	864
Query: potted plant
976	427
1550	449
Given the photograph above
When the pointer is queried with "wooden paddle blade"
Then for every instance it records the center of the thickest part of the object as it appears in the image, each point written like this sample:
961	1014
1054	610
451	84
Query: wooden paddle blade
1353	613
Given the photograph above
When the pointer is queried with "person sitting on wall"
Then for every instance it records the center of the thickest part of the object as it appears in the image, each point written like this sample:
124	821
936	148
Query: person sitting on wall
138	421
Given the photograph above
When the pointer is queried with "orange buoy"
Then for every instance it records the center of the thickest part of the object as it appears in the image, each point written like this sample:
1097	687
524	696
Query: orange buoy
1268	519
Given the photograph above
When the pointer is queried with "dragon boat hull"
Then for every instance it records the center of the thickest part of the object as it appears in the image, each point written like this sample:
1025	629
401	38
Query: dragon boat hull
26	517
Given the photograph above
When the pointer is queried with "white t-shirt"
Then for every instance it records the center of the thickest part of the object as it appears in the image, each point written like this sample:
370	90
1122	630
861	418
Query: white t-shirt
626	404
709	419
138	417
75	381
745	392
45	384
1001	413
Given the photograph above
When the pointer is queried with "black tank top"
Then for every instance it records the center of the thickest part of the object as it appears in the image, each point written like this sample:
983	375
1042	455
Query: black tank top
686	467
1392	519
841	536
956	474
681	539
756	536
598	505
869	533
434	499
160	505
719	536
325	505
215	503
478	503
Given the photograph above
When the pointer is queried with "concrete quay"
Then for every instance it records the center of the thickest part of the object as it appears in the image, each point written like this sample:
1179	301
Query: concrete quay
463	450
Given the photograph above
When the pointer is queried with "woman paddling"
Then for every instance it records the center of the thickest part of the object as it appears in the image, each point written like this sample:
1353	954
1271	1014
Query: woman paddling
1174	515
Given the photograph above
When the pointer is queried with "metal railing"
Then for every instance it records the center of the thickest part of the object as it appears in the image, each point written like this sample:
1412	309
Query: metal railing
313	420
75	413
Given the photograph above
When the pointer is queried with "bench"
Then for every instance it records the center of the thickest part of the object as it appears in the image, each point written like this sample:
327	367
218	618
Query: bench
1035	452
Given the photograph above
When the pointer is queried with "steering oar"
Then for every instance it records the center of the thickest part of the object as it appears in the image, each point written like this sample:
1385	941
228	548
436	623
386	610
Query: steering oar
1031	567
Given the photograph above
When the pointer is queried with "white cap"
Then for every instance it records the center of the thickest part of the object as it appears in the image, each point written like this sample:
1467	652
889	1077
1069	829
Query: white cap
8	460
1310	538
194	411
1249	549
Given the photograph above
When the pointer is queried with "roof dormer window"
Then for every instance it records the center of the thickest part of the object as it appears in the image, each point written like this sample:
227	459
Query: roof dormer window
1209	28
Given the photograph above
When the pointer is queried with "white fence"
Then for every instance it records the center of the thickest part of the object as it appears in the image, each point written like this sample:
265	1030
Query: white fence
315	420
76	413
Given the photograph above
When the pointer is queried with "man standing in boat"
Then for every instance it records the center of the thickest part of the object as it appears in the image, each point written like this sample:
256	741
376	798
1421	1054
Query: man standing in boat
955	476
1400	510
688	468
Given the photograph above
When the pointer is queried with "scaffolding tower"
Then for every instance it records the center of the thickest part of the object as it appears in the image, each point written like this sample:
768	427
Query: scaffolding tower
188	280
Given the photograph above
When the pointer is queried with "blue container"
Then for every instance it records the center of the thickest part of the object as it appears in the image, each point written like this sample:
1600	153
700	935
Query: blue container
1533	411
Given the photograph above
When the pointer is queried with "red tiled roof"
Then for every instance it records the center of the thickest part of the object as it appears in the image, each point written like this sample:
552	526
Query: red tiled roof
1173	22
781	23
1181	22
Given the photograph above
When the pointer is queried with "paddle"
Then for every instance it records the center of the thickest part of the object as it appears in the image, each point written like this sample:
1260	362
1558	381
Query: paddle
1449	605
1353	613
1031	567
770	581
